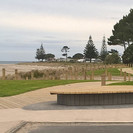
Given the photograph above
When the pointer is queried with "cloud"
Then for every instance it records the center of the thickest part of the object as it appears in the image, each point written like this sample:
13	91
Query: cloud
51	23
25	24
69	7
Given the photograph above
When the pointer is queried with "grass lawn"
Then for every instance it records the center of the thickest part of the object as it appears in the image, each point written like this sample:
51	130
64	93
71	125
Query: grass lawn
113	71
123	83
15	87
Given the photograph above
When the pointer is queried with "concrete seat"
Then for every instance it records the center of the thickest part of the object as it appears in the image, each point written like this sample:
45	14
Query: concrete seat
107	95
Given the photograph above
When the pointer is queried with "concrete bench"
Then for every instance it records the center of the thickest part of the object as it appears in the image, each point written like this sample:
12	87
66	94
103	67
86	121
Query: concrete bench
108	95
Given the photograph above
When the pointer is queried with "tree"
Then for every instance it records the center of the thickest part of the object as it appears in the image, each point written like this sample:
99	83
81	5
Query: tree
49	57
127	57
78	56
37	54
65	50
113	59
69	57
90	50
113	51
40	53
123	31
104	51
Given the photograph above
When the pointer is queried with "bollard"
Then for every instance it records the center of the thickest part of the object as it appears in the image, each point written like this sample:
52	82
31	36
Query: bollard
106	72
75	73
47	74
59	74
98	67
90	67
103	80
32	75
52	74
44	75
86	66
121	72
27	78
70	73
3	74
85	75
55	76
92	74
94	66
63	73
66	74
129	76
82	73
125	76
109	76
16	74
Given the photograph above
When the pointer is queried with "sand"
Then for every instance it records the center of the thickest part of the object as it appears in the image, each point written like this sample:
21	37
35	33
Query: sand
10	68
127	70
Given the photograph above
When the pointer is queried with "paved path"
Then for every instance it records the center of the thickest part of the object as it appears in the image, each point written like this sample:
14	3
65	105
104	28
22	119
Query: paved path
81	115
21	100
87	115
128	70
40	95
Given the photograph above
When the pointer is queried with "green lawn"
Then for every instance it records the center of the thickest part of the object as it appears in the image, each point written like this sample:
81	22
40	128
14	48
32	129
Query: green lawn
113	71
15	87
123	83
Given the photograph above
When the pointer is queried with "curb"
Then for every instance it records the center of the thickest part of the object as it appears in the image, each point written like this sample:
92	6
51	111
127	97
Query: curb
23	123
17	127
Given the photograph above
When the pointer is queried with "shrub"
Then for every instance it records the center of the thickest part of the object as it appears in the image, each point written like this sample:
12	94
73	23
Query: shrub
128	55
112	59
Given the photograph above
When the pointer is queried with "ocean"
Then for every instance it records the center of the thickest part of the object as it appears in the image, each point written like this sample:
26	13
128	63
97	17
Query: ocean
12	62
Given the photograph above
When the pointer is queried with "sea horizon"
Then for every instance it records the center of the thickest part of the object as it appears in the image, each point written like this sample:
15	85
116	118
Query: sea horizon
13	62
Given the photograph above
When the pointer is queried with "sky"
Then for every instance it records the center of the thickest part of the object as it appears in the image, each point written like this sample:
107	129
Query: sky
25	24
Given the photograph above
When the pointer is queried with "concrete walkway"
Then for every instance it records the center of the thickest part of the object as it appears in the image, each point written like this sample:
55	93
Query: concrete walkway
11	112
41	95
10	117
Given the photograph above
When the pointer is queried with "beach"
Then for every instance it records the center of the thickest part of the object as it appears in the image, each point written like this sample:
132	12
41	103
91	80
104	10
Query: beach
10	68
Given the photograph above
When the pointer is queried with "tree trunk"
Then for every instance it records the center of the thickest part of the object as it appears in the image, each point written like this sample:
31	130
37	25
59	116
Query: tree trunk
128	43
66	57
124	46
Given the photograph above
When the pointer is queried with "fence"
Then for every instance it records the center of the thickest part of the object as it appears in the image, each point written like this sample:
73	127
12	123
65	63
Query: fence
85	72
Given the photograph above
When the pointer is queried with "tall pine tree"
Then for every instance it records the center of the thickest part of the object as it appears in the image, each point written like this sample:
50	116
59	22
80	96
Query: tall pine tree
90	51
40	53
104	51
